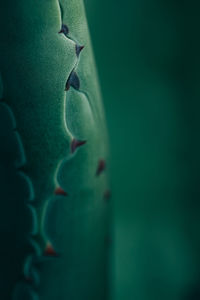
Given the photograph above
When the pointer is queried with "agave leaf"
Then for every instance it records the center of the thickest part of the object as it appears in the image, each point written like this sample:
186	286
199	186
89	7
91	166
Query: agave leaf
54	154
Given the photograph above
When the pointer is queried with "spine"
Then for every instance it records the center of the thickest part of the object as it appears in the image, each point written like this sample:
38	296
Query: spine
50	88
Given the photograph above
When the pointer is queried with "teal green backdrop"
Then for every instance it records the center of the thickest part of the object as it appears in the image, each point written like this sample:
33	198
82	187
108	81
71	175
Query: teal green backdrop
147	53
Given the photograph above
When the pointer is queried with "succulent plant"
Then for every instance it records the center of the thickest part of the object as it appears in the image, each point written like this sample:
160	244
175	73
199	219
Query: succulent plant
54	166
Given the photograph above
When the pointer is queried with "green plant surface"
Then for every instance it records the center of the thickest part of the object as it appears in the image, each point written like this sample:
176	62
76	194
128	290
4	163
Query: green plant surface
54	160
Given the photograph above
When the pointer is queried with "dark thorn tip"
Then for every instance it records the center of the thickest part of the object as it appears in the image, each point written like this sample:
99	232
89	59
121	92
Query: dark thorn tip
60	191
107	195
101	167
79	49
67	86
49	251
75	144
28	279
64	29
73	81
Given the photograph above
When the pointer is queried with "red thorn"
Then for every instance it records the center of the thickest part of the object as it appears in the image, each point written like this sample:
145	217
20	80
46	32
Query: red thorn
67	87
75	144
82	47
60	191
49	251
101	167
107	194
28	279
79	49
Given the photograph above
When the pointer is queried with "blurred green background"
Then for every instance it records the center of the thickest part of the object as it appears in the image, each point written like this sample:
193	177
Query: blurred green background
148	58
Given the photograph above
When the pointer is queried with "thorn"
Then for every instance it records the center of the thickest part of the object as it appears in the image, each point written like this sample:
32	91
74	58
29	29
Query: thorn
75	144
49	251
60	191
28	279
107	195
64	29
73	81
22	168
101	167
79	49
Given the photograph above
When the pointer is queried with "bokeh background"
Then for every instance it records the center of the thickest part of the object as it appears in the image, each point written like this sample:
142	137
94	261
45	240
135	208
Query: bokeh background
148	58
